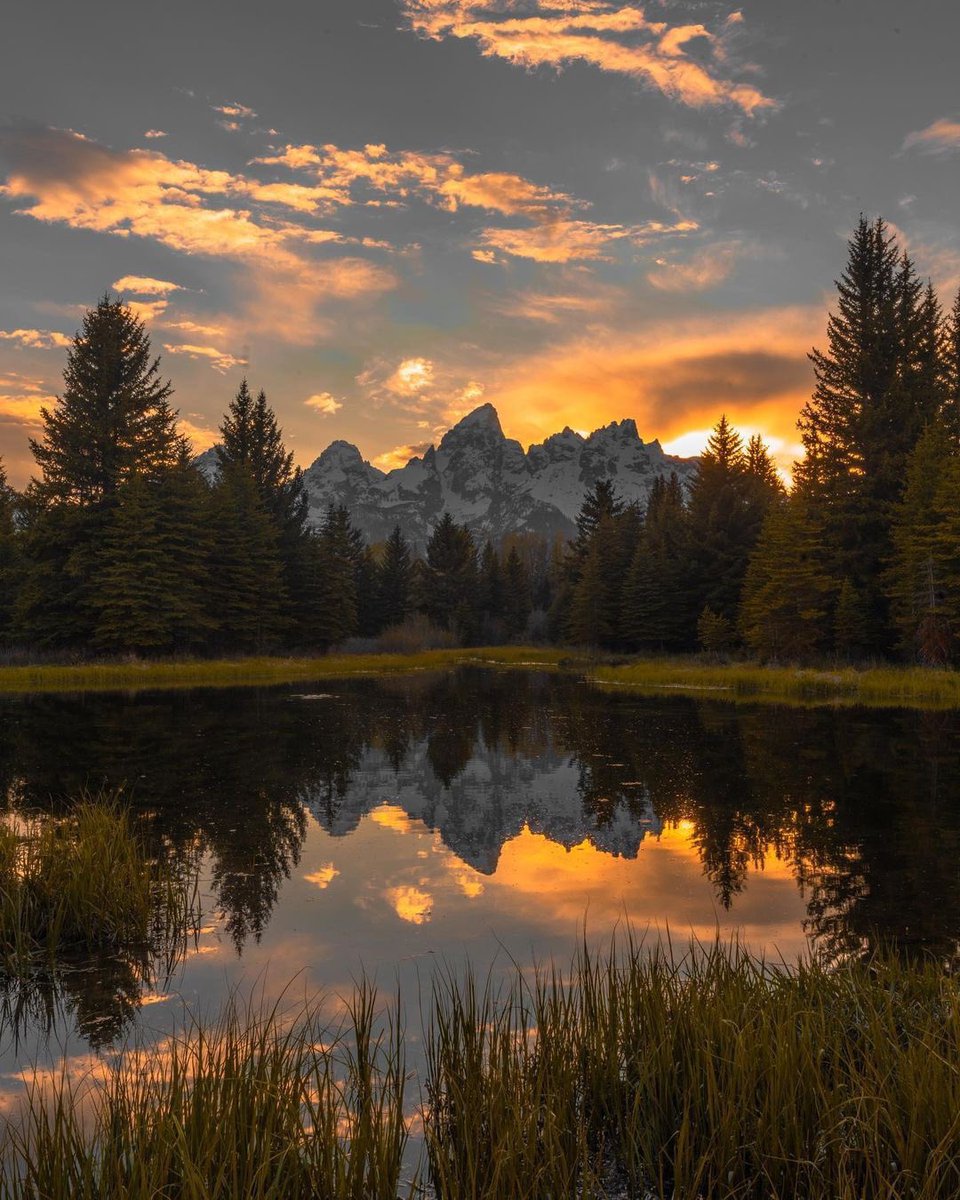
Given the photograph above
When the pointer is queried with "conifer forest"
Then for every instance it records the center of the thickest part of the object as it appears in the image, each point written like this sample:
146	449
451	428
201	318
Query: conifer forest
120	545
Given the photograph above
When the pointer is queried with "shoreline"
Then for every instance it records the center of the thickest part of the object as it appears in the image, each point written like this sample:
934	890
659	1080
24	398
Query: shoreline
877	687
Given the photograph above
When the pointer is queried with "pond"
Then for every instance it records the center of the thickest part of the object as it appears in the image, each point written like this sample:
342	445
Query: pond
383	827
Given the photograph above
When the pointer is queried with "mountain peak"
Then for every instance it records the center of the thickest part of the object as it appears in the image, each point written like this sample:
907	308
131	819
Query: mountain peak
625	430
485	418
487	482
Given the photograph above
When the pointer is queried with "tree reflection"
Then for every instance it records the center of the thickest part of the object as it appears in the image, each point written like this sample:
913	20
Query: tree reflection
864	806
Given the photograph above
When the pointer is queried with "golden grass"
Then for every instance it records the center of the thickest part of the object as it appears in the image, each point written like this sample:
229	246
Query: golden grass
876	687
252	1107
643	1072
85	882
147	675
888	687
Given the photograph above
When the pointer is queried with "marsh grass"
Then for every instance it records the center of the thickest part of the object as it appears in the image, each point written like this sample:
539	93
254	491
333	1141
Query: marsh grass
708	1074
642	1072
880	687
256	1105
875	687
254	672
86	883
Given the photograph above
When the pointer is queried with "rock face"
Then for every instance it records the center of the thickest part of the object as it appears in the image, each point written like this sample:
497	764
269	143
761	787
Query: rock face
487	482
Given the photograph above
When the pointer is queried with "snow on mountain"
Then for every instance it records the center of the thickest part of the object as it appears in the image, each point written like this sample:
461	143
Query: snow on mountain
207	464
486	480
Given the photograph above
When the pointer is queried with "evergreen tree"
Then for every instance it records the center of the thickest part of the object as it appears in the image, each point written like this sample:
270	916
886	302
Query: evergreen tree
449	579
250	437
877	386
395	581
728	501
646	613
490	594
112	419
337	555
10	560
787	595
715	633
597	505
517	595
656	610
132	599
151	563
365	577
594	567
246	567
917	580
947	566
850	631
594	618
951	357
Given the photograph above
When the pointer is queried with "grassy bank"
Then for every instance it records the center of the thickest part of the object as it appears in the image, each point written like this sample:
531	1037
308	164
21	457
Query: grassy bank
254	672
882	687
635	1075
876	686
85	883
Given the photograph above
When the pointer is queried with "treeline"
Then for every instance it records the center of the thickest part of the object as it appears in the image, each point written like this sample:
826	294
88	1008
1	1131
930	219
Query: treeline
860	560
121	545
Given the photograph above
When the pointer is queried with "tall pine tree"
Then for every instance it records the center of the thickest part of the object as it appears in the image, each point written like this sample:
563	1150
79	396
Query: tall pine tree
113	421
394	581
877	386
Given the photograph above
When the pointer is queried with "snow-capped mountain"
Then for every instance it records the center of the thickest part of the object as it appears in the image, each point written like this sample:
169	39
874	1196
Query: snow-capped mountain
487	481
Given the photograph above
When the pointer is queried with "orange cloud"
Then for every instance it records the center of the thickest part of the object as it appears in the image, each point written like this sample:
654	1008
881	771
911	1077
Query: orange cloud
23	409
410	904
565	241
234	110
220	360
411	377
37	339
399	456
671	376
590	299
704	270
501	192
196	327
941	137
143	285
323	877
323	403
201	437
615	37
62	177
438	179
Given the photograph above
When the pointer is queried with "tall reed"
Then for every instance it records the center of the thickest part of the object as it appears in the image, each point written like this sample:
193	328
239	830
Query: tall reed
708	1074
254	1106
87	882
640	1072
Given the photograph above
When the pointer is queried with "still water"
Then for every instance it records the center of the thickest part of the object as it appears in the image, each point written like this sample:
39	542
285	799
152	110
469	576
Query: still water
383	827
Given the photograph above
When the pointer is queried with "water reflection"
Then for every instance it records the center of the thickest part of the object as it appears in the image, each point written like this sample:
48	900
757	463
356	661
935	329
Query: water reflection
520	795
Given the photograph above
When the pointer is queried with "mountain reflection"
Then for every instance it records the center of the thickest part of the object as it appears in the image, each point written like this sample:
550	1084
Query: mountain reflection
862	806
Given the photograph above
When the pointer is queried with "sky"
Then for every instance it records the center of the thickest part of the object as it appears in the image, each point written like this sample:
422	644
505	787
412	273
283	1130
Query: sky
387	212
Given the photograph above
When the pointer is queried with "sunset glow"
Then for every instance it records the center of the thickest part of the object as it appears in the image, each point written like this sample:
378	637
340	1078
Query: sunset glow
577	212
